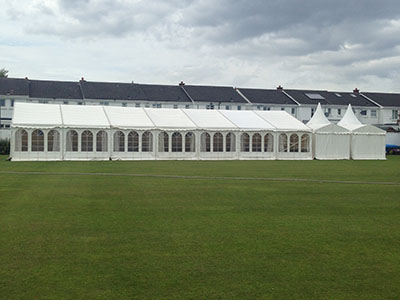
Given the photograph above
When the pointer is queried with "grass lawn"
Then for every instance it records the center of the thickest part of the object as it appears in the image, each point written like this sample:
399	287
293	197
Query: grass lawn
122	237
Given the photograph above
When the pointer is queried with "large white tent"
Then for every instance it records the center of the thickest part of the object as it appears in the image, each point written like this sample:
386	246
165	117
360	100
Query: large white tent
367	141
74	132
330	141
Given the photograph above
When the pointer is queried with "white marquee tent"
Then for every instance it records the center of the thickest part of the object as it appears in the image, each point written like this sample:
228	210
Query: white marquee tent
367	141
75	132
330	141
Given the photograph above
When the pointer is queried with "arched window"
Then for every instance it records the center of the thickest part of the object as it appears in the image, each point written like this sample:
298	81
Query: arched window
21	140
37	141
72	141
268	142
176	142
163	142
101	141
53	141
205	142
133	141
147	142
283	143
87	141
119	141
190	142
244	142
294	143
256	142
230	140
305	143
218	142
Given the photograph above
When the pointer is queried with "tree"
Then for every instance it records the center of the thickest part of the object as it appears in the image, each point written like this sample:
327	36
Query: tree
3	73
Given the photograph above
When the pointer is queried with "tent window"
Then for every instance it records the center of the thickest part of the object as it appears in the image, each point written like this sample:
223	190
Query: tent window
119	141
245	142
163	142
133	141
37	141
147	142
72	141
256	142
218	142
53	141
21	140
87	141
205	142
268	143
294	143
230	142
190	142
305	143
101	141
283	142
176	142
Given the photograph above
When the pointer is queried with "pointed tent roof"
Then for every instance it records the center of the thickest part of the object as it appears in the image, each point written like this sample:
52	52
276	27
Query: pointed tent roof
318	119
350	120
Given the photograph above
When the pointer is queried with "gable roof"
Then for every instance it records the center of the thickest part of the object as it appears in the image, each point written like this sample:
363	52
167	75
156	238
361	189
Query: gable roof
112	90
14	86
266	96
213	94
384	99
54	89
156	92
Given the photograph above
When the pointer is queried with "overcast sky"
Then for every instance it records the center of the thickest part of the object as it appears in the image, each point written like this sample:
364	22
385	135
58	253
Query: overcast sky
308	44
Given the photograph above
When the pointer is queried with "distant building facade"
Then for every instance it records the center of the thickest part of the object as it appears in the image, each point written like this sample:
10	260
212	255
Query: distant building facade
370	108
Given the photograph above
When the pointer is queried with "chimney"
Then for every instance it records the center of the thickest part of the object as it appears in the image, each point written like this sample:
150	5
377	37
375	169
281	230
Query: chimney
356	91
279	88
181	83
83	79
26	78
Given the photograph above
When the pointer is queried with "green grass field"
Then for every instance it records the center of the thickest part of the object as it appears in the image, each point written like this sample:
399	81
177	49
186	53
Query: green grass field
70	236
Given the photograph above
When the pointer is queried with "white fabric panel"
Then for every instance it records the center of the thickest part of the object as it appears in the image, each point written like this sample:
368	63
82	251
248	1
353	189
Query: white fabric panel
169	118
283	121
318	119
128	117
331	146
84	116
36	115
209	119
247	120
349	119
368	147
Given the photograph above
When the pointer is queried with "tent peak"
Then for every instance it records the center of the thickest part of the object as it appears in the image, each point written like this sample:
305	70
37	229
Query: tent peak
318	118
349	118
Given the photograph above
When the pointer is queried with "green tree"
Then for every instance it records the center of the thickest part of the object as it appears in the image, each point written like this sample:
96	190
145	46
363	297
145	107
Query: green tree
3	73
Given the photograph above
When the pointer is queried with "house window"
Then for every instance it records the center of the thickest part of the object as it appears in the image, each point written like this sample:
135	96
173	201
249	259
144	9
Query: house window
339	112
258	107
227	107
124	104
327	112
373	113
312	111
210	106
43	101
282	108
12	102
175	106
187	106
239	107
80	103
2	102
363	112
293	110
137	104
147	105
65	102
158	105
264	108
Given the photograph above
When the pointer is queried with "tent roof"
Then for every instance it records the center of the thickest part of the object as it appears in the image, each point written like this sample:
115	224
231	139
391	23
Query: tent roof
36	115
128	117
246	119
281	120
350	120
318	119
169	118
82	116
89	116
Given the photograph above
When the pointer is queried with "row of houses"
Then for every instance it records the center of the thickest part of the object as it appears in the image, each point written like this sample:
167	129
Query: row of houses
371	108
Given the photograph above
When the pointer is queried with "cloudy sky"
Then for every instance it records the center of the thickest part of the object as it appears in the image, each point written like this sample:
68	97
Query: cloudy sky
314	44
